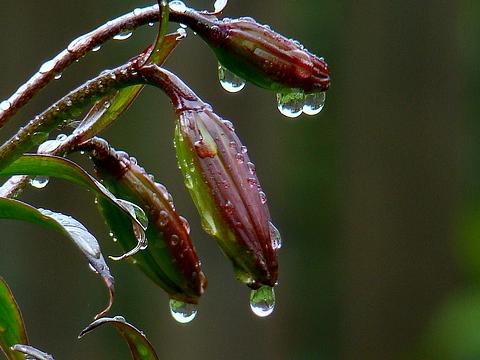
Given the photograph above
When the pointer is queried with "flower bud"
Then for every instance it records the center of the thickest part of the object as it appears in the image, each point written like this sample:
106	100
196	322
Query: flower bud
258	54
223	184
170	259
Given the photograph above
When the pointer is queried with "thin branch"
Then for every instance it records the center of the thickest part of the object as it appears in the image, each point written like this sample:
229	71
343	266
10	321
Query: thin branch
76	50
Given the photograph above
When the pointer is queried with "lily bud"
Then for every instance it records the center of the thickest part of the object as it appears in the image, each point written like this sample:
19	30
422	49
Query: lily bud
258	54
223	183
170	259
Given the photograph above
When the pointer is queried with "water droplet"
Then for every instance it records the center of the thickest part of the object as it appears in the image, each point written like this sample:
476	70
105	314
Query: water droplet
186	225
262	301
174	240
229	81
39	182
137	11
275	237
229	207
163	218
263	197
119	318
47	66
123	35
151	24
251	167
177	5
182	33
183	26
57	76
291	104
230	127
314	103
5	105
182	312
240	158
61	137
96	48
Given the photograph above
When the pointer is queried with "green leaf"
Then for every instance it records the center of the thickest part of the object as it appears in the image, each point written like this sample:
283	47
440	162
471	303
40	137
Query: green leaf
31	352
12	329
54	166
71	228
140	347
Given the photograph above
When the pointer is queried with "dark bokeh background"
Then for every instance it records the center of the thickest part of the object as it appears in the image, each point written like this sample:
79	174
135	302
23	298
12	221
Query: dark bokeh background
377	198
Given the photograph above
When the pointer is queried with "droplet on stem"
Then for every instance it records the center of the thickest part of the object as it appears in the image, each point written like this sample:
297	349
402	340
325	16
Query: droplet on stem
229	81
262	301
123	35
182	312
177	5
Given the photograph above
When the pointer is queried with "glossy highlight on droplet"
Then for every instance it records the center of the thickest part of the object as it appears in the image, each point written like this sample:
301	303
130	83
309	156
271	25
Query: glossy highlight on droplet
39	182
291	104
314	103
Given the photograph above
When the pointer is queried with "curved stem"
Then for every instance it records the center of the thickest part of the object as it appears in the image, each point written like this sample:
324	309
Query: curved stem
77	49
36	131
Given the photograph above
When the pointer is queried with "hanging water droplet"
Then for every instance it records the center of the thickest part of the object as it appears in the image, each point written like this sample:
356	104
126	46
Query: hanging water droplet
39	182
47	66
123	35
151	24
262	301
182	312
314	103
183	26
275	237
57	76
5	105
96	48
92	268
177	5
291	104
229	81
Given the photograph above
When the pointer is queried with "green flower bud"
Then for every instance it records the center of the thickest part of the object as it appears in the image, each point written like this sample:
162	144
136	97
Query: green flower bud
170	259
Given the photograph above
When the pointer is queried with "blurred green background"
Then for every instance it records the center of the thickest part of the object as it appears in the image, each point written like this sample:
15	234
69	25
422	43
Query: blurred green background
377	198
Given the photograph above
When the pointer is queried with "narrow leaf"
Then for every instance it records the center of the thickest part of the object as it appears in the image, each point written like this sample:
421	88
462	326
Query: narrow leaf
54	166
139	345
12	329
75	231
31	352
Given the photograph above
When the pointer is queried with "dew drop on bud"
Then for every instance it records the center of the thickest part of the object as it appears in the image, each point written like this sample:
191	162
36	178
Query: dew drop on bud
119	318
5	105
57	76
291	104
122	35
262	301
177	5
39	182
182	312
263	197
96	48
229	81
314	103
275	237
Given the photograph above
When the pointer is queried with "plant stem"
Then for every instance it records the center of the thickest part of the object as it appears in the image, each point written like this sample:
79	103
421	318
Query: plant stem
76	50
36	131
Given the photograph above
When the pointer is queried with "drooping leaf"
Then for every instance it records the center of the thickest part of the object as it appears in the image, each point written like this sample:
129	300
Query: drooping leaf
54	166
12	329
139	345
31	352
74	230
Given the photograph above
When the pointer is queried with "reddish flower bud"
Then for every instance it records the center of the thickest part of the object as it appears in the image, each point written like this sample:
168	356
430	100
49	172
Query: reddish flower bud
223	184
258	54
170	259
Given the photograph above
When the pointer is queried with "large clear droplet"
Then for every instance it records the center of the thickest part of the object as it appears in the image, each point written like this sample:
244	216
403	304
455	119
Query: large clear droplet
39	182
275	237
229	81
177	5
182	312
291	104
123	35
47	66
262	301
314	103
5	105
